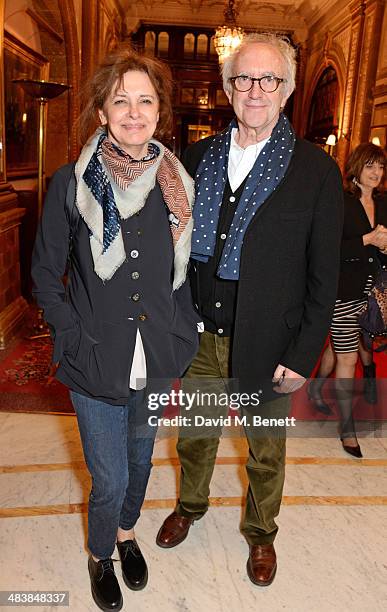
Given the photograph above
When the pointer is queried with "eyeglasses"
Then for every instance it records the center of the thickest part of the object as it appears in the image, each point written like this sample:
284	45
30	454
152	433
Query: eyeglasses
268	83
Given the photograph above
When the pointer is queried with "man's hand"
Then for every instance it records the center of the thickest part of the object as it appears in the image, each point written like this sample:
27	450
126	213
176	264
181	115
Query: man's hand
286	381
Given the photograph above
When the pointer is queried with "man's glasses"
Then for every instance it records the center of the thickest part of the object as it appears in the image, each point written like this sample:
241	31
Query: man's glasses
268	83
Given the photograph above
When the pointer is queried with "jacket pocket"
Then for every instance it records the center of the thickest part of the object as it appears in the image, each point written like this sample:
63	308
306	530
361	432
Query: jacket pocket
185	339
112	363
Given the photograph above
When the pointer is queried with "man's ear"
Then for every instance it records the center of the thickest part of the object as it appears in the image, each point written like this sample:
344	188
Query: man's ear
229	95
102	116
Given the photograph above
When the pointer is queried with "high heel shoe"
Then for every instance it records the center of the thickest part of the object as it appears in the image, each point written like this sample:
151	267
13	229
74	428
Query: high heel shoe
318	402
355	451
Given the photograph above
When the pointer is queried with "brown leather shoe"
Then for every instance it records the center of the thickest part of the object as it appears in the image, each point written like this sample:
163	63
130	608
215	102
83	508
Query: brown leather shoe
262	564
173	531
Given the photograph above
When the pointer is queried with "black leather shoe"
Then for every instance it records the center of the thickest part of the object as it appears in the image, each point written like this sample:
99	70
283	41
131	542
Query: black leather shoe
316	399
134	568
104	585
355	451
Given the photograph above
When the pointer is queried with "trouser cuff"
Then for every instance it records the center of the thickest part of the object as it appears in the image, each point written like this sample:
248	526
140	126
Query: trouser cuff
195	516
259	540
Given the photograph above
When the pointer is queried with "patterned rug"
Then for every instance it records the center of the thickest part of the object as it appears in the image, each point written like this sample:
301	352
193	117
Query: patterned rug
26	384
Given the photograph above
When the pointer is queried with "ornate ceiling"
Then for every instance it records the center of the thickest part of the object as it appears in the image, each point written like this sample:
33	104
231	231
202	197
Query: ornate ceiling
295	16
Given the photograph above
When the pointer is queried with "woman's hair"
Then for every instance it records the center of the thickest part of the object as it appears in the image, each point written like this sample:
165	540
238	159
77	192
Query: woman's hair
109	74
279	42
365	153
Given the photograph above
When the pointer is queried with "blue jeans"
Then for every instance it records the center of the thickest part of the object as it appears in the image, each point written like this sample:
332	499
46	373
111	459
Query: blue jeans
119	464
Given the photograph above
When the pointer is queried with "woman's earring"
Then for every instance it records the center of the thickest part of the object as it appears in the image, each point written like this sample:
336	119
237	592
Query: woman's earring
355	181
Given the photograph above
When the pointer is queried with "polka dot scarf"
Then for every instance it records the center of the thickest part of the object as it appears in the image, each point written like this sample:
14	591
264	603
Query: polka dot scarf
264	177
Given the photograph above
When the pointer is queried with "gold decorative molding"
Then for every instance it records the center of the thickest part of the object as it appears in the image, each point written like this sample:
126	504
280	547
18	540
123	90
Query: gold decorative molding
223	502
44	24
174	461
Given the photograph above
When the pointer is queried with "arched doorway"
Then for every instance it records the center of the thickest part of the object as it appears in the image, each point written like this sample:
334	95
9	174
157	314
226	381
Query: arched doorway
324	108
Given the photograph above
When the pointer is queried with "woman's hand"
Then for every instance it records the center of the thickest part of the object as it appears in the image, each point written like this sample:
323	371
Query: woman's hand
378	237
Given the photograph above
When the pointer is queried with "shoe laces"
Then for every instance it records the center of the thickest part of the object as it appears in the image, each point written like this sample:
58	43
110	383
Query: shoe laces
132	546
107	565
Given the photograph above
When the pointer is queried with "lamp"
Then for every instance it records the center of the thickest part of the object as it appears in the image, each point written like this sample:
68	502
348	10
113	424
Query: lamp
376	141
42	91
228	36
331	141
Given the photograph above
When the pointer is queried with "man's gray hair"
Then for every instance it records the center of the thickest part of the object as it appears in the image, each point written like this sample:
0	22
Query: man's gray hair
279	42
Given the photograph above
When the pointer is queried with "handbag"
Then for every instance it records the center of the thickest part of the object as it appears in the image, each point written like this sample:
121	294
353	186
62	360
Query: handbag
373	320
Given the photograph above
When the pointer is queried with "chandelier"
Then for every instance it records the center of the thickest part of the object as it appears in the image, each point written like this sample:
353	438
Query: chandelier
228	36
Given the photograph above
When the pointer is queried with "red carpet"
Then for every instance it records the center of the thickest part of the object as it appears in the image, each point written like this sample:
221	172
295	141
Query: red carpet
302	408
26	386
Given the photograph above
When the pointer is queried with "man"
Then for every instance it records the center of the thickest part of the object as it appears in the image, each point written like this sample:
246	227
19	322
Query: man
265	251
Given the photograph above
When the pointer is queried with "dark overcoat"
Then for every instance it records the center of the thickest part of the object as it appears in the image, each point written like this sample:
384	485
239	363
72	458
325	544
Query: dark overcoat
289	267
359	261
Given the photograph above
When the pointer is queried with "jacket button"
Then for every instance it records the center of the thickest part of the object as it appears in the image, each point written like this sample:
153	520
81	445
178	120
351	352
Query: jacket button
139	232
135	297
371	259
220	331
142	317
223	236
135	275
232	198
218	304
134	254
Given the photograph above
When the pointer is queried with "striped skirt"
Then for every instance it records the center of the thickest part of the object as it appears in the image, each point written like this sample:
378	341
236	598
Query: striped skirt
345	329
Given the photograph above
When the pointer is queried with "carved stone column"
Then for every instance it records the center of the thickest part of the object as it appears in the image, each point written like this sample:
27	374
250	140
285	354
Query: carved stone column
298	122
90	34
73	69
357	9
373	19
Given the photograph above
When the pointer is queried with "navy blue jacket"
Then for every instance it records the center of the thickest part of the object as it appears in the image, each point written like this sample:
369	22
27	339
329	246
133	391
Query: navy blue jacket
94	323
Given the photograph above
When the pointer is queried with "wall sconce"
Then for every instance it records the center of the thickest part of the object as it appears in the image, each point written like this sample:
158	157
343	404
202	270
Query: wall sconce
331	142
376	141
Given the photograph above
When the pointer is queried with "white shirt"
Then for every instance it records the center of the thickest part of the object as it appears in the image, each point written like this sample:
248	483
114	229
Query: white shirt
138	371
240	161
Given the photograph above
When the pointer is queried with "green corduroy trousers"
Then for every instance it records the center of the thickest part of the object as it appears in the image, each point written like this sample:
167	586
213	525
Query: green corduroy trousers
197	446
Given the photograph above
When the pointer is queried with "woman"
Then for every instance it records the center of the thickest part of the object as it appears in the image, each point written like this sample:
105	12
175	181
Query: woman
364	241
126	319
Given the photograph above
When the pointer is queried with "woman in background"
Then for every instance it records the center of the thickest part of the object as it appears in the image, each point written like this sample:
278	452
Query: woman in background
364	240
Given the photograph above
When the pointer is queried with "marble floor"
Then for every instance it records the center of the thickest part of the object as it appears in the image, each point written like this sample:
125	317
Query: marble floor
331	546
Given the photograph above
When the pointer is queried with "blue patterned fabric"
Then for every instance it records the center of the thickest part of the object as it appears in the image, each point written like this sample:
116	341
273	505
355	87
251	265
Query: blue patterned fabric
98	182
265	176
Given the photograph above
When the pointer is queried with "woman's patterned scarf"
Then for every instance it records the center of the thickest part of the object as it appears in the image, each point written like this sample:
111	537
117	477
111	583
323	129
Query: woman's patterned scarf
111	186
264	177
